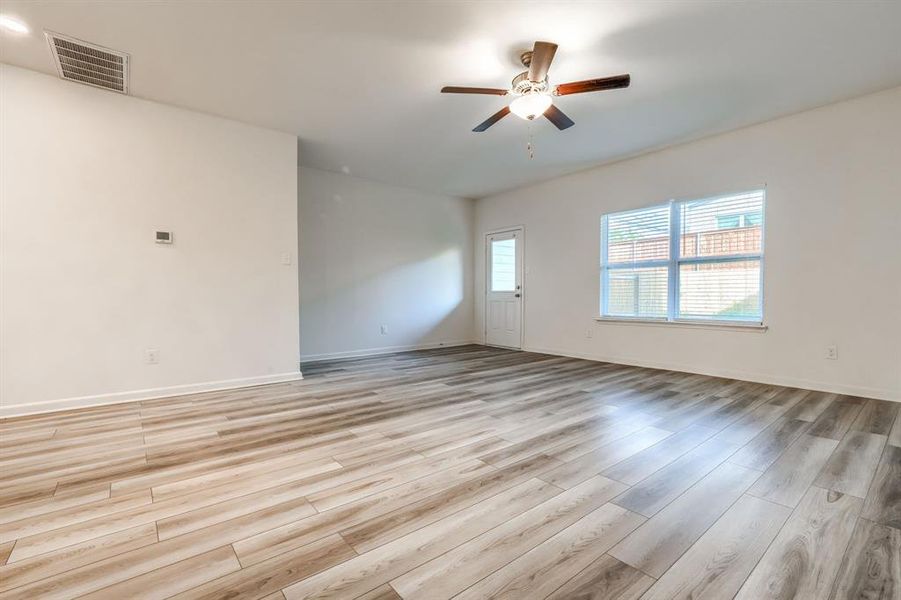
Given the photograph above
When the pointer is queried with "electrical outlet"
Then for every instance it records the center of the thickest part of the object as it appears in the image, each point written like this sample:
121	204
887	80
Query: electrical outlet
151	356
383	329
831	353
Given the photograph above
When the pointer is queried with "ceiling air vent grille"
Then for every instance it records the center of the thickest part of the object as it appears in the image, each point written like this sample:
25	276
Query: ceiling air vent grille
89	63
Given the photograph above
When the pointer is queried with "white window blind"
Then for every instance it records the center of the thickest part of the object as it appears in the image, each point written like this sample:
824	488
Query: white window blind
636	257
696	260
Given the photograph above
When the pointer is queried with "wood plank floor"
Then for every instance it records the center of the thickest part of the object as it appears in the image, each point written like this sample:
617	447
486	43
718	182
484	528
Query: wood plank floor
465	472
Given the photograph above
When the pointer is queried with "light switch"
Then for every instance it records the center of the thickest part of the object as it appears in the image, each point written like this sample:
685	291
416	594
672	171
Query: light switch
286	258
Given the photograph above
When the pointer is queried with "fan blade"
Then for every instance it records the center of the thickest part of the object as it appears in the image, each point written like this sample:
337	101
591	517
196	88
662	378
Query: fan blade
449	89
542	55
593	85
558	118
492	119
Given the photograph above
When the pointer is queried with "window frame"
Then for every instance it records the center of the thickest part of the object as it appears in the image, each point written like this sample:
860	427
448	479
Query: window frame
674	263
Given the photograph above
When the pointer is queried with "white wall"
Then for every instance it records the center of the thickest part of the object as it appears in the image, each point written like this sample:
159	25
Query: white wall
373	254
833	250
87	176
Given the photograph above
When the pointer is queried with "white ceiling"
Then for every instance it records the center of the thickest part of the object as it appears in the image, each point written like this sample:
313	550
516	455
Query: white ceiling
358	81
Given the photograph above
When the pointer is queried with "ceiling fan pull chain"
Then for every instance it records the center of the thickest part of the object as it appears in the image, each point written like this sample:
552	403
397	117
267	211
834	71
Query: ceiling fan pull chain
529	146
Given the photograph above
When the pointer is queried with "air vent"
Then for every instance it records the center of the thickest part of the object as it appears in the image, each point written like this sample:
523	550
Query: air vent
89	63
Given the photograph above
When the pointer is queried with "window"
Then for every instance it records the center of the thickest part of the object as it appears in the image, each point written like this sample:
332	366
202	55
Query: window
503	265
692	260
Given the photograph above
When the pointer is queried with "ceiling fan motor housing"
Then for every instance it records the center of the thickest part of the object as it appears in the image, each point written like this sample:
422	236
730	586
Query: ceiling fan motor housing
522	85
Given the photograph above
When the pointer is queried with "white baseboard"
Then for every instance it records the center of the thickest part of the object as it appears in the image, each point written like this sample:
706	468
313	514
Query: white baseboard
178	390
851	390
308	358
18	410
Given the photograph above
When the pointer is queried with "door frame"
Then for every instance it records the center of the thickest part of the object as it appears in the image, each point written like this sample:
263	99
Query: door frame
521	231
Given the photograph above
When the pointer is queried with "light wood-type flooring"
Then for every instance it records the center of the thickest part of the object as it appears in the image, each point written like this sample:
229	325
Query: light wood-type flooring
465	472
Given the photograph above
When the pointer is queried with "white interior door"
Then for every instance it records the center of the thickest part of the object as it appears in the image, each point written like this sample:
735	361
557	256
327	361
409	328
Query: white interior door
503	302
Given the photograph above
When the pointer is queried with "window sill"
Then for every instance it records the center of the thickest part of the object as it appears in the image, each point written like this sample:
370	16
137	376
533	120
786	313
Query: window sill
731	325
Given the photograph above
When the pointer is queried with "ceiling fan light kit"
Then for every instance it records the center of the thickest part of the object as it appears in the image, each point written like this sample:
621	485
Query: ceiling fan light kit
531	105
534	94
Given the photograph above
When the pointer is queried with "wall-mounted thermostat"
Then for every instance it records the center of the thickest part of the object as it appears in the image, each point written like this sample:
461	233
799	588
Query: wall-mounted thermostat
163	237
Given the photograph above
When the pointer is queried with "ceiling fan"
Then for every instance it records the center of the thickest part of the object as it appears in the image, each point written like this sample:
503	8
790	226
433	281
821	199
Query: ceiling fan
535	94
